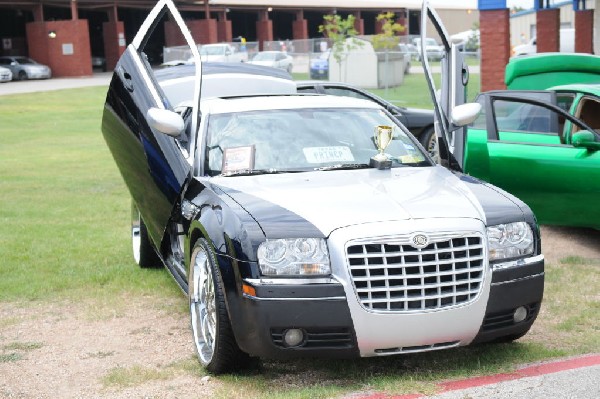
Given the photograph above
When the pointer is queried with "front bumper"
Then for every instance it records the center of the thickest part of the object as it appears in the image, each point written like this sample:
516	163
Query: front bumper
337	324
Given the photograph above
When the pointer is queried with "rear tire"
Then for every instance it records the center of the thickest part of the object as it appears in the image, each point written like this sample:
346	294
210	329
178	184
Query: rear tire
143	251
213	337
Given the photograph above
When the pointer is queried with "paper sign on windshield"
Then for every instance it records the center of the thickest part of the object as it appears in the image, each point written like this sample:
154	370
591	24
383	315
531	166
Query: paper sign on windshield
328	154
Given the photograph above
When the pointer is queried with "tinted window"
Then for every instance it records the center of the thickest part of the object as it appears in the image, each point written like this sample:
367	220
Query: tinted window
516	116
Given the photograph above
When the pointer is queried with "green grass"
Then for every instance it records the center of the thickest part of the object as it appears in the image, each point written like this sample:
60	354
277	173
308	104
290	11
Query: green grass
64	210
64	235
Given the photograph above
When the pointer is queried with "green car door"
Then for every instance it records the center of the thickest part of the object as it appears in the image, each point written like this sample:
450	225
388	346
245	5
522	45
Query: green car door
519	143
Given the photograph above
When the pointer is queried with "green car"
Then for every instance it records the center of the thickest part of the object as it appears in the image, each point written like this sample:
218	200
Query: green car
540	145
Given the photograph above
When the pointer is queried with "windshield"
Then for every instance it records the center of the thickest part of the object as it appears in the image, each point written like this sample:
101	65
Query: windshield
212	50
296	140
24	60
265	57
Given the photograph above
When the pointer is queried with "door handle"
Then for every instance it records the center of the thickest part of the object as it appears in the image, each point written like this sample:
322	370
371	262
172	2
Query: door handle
125	78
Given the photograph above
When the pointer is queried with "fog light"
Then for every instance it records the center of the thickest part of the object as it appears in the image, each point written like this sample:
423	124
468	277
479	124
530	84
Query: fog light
293	337
520	314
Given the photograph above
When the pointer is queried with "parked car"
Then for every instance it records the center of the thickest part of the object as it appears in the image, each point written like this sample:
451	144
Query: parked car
541	146
319	65
273	59
302	225
5	75
99	63
222	52
418	121
566	44
410	49
434	51
25	68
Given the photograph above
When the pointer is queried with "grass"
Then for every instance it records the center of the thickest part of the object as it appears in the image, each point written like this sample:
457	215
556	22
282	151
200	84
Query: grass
64	214
64	209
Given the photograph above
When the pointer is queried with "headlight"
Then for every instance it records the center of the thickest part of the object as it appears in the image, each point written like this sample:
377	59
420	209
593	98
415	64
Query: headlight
511	240
294	257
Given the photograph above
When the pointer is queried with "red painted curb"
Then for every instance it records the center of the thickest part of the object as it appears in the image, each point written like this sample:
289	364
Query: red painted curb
530	371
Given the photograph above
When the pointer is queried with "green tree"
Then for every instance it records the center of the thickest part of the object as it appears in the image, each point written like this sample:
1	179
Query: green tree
388	38
342	34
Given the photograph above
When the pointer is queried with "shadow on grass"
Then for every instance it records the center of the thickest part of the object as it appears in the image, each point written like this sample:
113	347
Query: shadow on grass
313	378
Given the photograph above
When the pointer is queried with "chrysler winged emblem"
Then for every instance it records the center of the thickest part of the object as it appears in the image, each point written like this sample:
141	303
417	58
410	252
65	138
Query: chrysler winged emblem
419	241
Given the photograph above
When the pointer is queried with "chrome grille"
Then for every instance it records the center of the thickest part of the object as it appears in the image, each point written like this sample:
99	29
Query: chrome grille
392	275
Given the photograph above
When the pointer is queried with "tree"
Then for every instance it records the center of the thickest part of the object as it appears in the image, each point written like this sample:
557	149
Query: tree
342	34
388	38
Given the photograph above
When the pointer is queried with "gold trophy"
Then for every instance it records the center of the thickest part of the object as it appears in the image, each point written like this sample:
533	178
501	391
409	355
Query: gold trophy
383	137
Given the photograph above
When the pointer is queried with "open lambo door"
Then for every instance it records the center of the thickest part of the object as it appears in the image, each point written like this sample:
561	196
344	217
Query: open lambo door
450	112
151	144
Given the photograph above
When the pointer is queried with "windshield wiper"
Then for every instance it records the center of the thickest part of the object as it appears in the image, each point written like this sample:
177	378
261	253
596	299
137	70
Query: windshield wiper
250	172
344	166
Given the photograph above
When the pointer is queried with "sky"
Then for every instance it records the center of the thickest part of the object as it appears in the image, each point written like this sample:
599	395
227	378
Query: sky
520	3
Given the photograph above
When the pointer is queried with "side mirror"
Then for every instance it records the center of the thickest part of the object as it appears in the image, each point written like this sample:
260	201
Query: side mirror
165	121
585	139
227	52
465	114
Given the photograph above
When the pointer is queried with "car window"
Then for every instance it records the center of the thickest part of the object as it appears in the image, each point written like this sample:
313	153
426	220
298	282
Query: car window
588	111
307	89
523	117
302	140
338	91
565	100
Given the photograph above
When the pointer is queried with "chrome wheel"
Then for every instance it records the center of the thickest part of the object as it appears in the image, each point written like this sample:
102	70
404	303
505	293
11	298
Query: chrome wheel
143	251
135	235
203	308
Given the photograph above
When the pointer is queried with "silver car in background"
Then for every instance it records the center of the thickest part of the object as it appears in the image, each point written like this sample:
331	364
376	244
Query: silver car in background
23	68
5	75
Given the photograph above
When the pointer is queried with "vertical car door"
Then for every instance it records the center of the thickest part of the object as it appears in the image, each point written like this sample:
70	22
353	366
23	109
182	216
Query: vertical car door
520	147
455	76
154	165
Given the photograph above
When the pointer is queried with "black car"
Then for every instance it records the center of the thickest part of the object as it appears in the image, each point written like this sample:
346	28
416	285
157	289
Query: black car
302	225
418	121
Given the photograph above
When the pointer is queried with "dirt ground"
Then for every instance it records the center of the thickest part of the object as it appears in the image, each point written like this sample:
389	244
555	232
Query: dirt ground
139	351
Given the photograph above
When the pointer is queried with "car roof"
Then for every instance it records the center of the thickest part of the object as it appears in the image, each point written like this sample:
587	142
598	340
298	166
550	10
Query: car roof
293	101
223	79
581	88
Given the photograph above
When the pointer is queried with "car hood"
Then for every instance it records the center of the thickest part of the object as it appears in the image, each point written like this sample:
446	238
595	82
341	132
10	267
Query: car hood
333	199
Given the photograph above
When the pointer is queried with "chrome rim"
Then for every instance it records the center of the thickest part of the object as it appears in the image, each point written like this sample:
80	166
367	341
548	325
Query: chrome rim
432	148
135	236
202	306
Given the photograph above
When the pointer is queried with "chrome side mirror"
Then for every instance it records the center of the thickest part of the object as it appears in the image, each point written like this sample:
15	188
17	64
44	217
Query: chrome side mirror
165	121
465	114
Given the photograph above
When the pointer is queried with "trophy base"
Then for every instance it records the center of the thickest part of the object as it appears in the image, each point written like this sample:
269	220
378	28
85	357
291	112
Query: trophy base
380	164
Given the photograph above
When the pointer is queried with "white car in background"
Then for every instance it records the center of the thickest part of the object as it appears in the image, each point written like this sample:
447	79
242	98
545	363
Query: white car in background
25	68
5	75
434	51
222	52
274	59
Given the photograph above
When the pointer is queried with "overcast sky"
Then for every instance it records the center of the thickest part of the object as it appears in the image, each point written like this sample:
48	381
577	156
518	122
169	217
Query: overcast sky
521	3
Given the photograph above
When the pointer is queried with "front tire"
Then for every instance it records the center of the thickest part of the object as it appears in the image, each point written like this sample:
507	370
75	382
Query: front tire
429	140
22	75
213	337
143	252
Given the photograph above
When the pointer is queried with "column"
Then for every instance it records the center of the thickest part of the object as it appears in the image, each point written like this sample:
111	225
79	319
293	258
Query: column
264	28
548	30
113	33
495	47
584	31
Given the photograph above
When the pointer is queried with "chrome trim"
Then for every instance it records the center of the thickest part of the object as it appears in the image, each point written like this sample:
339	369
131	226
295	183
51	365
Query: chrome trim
374	291
290	281
189	210
518	262
519	279
288	299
